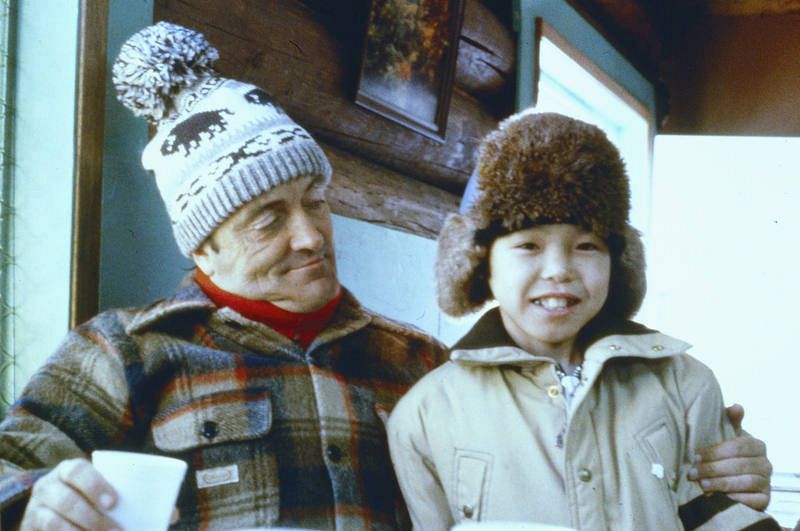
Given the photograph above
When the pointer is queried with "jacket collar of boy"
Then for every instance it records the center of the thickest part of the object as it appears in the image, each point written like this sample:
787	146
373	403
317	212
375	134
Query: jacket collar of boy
488	344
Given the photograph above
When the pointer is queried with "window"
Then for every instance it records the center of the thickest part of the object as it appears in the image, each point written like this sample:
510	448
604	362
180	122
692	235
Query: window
566	66
39	139
6	358
722	276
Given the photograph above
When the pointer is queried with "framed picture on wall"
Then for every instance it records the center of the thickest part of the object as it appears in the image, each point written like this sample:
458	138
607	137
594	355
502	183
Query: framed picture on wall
408	61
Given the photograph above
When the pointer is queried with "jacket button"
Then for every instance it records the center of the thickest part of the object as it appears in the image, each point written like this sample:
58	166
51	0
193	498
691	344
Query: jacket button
585	475
553	391
334	453
209	429
467	511
657	348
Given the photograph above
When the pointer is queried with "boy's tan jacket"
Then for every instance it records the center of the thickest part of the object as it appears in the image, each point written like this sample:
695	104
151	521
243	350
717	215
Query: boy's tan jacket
488	436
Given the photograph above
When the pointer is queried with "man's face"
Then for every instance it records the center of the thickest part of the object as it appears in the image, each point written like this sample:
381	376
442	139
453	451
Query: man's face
276	248
550	281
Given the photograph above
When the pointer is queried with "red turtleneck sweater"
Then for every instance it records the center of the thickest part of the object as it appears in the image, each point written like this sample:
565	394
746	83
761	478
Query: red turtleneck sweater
301	328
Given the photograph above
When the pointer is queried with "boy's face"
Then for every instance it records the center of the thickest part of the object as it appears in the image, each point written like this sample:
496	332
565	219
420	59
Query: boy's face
550	281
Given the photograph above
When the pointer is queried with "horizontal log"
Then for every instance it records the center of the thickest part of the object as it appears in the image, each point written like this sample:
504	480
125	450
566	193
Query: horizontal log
370	192
486	52
309	61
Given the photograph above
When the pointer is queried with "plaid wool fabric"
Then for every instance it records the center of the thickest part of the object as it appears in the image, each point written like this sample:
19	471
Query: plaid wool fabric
273	434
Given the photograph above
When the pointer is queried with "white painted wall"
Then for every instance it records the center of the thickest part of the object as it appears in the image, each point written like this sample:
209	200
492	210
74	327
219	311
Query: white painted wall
43	126
391	272
723	271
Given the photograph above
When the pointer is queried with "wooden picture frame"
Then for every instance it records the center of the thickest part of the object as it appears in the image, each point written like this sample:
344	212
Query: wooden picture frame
408	62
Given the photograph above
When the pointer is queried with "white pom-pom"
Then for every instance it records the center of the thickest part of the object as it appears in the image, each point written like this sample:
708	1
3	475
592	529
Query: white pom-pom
156	63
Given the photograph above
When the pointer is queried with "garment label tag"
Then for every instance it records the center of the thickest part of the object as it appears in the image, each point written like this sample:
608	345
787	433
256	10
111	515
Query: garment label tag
657	469
221	475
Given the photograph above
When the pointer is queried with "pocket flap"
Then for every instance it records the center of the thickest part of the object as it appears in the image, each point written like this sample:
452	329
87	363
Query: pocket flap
657	441
472	476
214	419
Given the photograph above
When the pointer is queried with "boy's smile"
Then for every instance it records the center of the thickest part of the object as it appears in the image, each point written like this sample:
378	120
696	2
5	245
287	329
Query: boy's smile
549	280
556	303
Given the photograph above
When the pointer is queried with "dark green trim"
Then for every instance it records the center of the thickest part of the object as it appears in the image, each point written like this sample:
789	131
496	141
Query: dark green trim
584	37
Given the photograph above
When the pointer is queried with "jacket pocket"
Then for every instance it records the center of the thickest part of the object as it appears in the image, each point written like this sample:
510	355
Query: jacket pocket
213	419
233	470
472	473
661	446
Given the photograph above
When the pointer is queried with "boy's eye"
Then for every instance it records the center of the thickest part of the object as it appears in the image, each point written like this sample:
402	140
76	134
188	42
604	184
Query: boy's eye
527	246
589	246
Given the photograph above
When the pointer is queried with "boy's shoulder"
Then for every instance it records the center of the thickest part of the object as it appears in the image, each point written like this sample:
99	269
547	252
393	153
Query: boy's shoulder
434	389
641	343
655	352
622	338
436	381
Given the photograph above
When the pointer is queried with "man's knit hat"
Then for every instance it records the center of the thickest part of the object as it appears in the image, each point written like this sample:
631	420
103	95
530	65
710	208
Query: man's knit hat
219	142
538	169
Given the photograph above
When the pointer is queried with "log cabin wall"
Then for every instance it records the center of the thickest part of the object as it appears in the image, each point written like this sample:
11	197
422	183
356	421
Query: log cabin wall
391	188
307	54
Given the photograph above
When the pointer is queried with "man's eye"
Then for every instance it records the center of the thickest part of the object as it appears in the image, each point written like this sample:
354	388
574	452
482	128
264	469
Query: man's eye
527	246
264	223
588	246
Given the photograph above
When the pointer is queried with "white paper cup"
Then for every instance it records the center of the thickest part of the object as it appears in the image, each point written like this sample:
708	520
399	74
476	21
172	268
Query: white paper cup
146	485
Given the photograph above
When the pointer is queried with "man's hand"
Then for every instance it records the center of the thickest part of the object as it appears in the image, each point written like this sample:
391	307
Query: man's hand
71	496
738	467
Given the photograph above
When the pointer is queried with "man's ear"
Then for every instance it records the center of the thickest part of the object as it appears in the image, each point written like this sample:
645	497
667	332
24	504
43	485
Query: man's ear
203	258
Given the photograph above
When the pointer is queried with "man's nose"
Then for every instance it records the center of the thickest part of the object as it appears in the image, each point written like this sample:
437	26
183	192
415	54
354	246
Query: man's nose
305	235
557	265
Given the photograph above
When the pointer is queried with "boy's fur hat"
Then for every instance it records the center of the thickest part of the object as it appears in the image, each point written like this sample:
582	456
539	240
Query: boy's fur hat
537	169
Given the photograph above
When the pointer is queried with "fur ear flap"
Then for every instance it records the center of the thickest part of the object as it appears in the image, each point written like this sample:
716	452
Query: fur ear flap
459	288
629	282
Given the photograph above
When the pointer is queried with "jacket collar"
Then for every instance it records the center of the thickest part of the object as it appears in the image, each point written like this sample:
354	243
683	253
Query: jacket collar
190	298
488	343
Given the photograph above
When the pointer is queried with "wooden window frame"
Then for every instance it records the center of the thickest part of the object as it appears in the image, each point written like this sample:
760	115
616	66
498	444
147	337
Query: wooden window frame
545	30
89	141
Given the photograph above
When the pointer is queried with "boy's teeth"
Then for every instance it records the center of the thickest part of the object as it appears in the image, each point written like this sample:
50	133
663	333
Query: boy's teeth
552	303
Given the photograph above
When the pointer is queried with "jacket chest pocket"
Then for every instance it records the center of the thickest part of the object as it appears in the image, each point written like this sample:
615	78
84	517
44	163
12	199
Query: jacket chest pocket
233	471
661	446
472	473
